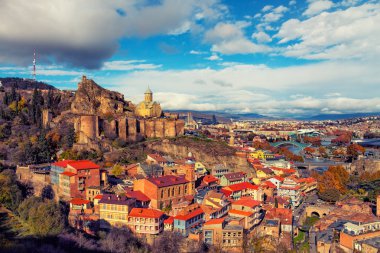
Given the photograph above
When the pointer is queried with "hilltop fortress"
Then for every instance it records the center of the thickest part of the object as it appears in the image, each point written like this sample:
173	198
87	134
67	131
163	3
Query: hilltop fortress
102	114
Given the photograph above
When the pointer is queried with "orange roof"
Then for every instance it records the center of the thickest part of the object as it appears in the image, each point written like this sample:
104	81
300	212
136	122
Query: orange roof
137	195
269	184
247	201
239	212
79	201
189	215
307	180
158	158
281	179
210	179
99	196
83	165
169	220
62	163
68	173
214	221
145	213
240	187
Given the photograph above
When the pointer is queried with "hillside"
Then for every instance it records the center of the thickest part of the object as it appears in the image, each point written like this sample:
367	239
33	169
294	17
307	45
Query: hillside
24	84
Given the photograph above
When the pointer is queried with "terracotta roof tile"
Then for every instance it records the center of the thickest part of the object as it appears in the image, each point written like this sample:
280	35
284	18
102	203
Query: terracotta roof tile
168	180
145	213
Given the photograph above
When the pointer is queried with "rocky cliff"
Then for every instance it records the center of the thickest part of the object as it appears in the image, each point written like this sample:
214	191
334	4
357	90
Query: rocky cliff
210	153
91	99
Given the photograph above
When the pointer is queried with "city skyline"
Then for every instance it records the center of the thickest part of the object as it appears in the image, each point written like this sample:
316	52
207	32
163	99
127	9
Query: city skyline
275	58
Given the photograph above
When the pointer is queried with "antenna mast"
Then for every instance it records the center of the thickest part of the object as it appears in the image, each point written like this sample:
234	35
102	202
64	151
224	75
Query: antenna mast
34	65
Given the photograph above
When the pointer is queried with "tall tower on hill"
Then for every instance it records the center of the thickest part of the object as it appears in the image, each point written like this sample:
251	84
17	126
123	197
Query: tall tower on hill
148	96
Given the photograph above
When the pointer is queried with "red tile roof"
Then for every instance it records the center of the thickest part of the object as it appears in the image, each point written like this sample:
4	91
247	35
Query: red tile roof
210	179
158	158
214	221
169	220
239	212
269	184
247	201
68	173
145	213
138	195
63	163
168	180
79	201
234	176
99	196
190	215
240	187
83	165
281	179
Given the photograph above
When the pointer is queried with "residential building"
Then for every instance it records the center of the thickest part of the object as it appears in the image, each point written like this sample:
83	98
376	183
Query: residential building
189	219
219	170
233	178
56	169
114	210
248	209
146	221
244	189
356	231
92	192
215	205
219	233
76	177
292	190
162	191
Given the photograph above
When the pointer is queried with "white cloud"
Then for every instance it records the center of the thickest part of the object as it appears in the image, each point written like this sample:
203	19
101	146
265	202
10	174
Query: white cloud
128	65
71	32
275	14
343	34
214	57
196	52
229	38
258	88
261	37
292	2
267	8
316	7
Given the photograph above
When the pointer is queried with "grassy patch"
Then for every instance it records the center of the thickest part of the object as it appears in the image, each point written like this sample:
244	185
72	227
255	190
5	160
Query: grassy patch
300	237
310	221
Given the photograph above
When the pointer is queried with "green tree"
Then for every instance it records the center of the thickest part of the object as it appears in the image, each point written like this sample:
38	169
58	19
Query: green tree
10	193
117	170
43	216
330	195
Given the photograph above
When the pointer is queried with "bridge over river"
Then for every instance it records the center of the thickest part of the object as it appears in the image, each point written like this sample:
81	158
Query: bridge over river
319	164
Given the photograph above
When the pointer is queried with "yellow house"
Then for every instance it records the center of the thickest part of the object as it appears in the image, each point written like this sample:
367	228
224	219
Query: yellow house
264	172
200	168
257	154
256	180
114	210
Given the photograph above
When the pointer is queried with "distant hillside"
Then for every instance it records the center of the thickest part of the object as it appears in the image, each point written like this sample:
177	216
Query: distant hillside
341	116
206	116
24	84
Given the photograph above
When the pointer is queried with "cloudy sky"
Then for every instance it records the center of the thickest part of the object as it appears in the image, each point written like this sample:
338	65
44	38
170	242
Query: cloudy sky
272	57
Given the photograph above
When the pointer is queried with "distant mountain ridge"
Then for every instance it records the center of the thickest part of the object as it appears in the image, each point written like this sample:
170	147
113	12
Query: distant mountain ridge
341	116
24	84
220	116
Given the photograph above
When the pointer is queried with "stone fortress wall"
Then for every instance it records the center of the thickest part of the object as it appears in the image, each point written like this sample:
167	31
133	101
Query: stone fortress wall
104	114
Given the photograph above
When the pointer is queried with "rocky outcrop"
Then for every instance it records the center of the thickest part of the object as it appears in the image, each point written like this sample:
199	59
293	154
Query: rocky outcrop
210	153
91	99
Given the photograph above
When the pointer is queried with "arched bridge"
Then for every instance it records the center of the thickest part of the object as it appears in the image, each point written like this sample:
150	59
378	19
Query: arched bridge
319	210
293	143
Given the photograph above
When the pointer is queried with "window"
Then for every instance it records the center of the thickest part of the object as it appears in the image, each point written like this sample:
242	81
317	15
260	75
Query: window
173	191
162	193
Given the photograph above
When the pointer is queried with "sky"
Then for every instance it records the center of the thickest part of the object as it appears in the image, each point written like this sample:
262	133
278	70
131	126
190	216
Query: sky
284	58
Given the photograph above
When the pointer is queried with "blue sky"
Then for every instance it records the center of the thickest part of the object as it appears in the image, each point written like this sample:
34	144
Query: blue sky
276	58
